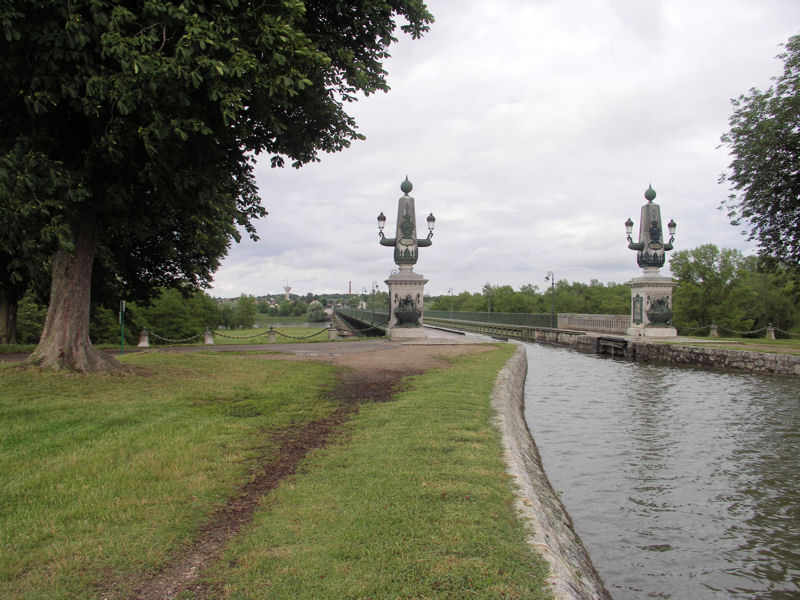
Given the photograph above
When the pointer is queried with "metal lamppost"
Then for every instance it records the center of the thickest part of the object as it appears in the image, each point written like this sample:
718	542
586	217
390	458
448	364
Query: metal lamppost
374	289
450	291
552	279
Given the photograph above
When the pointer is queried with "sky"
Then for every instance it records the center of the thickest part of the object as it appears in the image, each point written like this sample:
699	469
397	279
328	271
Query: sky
531	130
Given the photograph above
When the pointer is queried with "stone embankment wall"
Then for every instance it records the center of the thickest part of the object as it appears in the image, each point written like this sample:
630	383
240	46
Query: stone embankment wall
551	533
719	358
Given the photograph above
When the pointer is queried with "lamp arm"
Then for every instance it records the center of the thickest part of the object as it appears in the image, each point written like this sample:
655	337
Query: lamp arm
426	242
384	241
635	245
668	245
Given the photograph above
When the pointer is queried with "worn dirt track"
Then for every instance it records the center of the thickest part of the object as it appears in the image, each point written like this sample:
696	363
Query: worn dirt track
372	372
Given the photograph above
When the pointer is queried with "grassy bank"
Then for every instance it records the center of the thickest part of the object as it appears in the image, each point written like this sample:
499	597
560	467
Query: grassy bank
105	478
784	346
413	502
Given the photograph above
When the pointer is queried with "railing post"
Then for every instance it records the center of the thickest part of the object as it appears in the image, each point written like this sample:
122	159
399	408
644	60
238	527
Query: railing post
271	335
144	339
333	335
208	338
770	332
714	332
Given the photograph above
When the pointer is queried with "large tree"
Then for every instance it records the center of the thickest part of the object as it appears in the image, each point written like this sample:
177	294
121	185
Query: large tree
764	174
143	119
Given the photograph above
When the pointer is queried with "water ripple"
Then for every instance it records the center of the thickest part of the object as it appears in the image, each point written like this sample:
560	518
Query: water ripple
683	483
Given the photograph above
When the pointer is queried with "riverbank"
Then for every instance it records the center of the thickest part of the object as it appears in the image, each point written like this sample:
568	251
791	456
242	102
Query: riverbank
124	490
551	533
703	352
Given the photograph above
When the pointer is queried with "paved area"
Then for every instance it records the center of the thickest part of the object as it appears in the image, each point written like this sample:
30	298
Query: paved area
320	349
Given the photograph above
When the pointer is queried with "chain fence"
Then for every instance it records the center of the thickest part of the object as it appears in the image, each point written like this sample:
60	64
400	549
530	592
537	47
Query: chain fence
750	333
146	334
175	341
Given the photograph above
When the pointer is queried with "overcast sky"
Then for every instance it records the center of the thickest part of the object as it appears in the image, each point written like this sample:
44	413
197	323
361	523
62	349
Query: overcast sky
531	129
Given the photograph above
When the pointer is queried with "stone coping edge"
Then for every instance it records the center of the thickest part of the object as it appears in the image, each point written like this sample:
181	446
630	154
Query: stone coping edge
551	534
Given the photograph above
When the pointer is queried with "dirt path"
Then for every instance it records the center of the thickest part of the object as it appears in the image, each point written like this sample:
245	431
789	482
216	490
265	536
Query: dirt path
371	373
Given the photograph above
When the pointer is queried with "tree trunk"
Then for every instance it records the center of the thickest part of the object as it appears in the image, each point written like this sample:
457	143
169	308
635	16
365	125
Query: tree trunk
8	318
65	342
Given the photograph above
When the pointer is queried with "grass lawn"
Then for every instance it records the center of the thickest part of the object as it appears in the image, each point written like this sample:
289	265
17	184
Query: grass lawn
104	478
284	335
784	346
413	502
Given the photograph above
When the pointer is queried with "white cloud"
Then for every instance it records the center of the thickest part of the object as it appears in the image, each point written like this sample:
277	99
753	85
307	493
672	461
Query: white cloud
531	130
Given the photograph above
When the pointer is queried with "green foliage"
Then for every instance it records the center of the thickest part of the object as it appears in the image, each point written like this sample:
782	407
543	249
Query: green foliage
104	326
244	312
737	293
592	298
709	290
300	308
316	312
764	141
175	316
284	308
134	126
30	320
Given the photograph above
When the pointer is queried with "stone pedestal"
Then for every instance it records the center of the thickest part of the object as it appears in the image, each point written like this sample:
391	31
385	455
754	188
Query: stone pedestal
406	293
651	305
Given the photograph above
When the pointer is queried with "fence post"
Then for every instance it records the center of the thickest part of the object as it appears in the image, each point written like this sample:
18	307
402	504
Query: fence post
714	332
208	338
271	335
333	335
144	339
770	332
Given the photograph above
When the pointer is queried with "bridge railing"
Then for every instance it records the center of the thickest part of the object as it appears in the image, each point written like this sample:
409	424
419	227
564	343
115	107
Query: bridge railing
378	318
529	319
602	323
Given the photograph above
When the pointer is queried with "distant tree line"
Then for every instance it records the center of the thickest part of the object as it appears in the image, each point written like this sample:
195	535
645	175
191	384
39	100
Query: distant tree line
592	298
736	292
172	315
715	286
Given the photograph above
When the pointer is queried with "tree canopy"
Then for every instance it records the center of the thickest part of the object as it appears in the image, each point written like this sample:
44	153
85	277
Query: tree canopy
764	174
130	129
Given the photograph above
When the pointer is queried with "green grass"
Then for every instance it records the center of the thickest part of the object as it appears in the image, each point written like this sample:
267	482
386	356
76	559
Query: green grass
284	335
413	502
105	476
14	348
784	346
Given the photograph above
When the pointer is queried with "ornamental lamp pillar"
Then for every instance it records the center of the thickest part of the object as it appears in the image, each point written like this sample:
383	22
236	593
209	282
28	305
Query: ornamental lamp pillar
406	288
651	293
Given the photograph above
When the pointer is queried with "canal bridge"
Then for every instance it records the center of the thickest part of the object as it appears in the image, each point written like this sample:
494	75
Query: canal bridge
607	330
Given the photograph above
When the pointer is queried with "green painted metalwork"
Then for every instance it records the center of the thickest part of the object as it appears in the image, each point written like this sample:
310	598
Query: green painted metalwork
529	319
651	248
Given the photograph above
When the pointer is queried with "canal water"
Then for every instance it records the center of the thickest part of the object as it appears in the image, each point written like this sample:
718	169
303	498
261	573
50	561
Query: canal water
682	483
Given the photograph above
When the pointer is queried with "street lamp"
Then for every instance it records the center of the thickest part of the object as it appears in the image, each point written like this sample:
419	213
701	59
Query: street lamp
552	279
450	291
431	222
381	223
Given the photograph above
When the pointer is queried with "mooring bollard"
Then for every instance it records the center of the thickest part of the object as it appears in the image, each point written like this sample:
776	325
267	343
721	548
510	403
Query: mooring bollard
144	339
271	335
208	338
770	332
333	335
714	331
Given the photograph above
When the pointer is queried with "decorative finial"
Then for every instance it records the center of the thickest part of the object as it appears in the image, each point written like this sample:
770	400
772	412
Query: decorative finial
650	194
406	186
